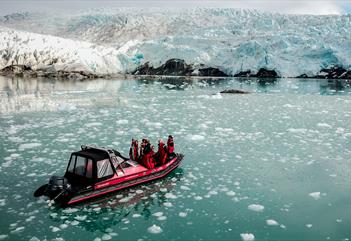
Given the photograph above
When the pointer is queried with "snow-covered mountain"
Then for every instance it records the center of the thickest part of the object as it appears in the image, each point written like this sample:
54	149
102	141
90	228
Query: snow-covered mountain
234	41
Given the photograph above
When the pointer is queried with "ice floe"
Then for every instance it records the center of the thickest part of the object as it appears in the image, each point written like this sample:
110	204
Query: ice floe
247	236
256	207
272	222
315	195
154	229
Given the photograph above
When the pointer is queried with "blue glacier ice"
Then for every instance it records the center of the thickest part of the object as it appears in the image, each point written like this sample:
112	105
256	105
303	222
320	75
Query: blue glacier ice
231	40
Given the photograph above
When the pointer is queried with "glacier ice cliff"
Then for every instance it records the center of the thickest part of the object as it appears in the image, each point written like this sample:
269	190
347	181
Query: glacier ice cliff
229	41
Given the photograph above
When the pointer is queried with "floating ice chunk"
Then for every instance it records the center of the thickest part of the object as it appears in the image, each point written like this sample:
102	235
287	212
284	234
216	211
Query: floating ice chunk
167	204
18	230
339	130
124	200
55	229
271	222
154	229
298	130
158	214
309	225
213	192
230	193
256	207
92	124
183	214
161	218
28	145
63	226
170	195
198	198
324	125
97	209
139	191
186	188
106	237
5	236
136	215
70	210
247	236
80	218
97	239
122	122
195	137
2	202
315	195
74	223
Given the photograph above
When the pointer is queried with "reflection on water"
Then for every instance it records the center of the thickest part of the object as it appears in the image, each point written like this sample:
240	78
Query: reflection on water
25	95
120	206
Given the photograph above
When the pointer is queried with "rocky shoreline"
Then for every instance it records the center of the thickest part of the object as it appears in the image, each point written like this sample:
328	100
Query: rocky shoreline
172	67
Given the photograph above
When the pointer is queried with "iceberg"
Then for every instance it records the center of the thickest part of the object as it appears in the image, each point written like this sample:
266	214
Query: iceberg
230	41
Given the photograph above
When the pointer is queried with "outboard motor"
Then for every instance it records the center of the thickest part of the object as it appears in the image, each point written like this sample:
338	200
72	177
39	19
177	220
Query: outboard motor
57	186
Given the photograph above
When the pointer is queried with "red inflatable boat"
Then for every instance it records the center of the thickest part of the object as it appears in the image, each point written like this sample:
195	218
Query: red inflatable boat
94	171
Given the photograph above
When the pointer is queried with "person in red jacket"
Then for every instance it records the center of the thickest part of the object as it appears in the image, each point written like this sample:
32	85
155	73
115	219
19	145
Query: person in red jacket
170	146
133	151
148	155
161	152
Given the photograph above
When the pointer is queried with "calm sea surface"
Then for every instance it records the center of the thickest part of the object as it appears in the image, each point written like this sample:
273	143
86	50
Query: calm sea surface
271	165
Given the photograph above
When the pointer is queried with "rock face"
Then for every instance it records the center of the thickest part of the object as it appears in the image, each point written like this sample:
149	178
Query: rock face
26	71
262	73
234	91
334	73
177	67
330	73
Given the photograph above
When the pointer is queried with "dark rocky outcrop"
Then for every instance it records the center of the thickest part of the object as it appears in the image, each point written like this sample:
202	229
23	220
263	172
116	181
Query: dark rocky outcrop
330	73
234	91
178	67
243	74
266	73
334	73
212	72
262	73
171	67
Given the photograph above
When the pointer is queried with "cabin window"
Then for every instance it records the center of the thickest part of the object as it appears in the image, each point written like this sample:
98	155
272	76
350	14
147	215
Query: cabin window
89	172
71	163
80	166
104	168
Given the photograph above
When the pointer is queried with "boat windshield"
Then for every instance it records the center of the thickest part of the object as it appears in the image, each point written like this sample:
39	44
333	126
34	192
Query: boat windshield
80	166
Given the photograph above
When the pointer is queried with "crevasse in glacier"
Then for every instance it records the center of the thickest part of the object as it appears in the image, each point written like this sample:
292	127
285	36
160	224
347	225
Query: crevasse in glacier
112	41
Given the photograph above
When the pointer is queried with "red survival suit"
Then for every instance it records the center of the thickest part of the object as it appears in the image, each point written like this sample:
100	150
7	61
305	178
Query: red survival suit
133	151
147	158
170	145
161	153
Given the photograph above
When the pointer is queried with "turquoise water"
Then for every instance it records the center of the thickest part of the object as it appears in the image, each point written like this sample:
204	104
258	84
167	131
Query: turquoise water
270	165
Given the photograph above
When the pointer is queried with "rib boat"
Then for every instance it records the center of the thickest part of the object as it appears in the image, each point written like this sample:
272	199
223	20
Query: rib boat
95	171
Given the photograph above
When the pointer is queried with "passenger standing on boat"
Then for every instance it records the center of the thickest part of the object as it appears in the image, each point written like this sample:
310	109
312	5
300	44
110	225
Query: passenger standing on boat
133	151
142	146
161	152
170	146
148	153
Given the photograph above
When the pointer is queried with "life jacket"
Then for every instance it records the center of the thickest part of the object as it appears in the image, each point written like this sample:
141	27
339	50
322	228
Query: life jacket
135	151
170	146
161	153
147	158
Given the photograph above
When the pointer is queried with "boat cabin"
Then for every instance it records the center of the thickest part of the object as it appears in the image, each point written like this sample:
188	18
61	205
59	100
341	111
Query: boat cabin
92	165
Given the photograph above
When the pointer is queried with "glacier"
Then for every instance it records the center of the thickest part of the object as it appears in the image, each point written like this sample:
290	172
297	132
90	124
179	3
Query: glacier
118	41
